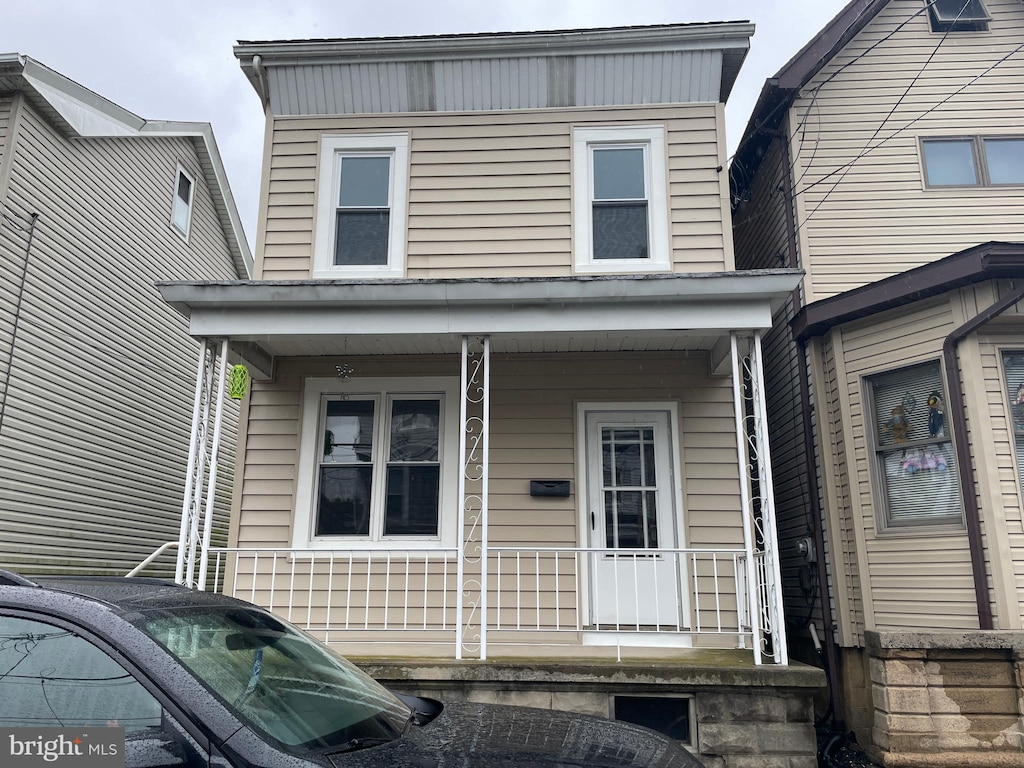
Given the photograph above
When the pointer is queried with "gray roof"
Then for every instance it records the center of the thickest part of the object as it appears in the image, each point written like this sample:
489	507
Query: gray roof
79	112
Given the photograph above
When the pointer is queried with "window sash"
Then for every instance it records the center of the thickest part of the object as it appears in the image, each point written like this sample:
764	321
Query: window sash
181	208
994	161
915	464
391	493
620	224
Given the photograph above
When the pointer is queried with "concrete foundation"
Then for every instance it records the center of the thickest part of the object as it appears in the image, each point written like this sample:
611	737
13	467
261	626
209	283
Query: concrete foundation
743	716
941	698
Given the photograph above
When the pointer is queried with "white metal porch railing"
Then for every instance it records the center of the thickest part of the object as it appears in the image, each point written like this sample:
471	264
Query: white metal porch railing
536	595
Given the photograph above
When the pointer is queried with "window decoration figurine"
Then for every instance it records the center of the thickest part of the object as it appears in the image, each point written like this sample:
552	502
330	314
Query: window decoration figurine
936	416
898	424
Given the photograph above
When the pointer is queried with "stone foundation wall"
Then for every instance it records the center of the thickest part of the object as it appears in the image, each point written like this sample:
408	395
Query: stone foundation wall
946	699
744	718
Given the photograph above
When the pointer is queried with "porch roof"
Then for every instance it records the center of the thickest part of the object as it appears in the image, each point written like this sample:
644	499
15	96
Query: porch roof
603	312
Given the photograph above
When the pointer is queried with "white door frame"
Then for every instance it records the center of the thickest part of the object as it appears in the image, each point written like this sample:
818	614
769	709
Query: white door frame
675	444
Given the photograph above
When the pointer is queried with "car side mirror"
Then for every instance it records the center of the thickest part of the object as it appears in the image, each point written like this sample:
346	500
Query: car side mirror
153	749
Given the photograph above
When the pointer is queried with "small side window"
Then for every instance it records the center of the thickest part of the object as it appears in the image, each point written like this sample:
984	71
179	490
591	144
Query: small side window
957	16
914	459
181	211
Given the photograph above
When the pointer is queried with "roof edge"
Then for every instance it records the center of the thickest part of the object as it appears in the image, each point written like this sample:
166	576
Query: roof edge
987	261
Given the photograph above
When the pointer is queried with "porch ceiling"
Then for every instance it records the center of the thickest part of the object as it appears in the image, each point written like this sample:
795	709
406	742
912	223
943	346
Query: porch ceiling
671	312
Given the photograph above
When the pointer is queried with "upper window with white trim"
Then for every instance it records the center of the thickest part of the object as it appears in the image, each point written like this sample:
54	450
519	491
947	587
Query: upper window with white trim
957	16
360	227
378	465
620	202
181	208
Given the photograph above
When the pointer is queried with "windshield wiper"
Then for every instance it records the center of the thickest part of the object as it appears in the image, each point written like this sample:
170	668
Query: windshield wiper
354	745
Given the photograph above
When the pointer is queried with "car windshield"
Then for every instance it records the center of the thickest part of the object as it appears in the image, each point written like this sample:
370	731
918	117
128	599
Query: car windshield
288	686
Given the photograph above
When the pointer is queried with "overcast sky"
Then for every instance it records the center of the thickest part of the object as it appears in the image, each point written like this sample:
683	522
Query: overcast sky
173	60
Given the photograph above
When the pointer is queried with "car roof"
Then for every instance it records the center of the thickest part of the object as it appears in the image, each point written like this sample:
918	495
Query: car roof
131	593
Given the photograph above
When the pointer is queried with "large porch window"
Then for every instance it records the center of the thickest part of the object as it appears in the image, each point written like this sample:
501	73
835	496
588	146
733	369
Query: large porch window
378	464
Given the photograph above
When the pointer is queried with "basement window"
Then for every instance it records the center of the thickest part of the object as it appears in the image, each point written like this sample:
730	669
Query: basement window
670	715
958	16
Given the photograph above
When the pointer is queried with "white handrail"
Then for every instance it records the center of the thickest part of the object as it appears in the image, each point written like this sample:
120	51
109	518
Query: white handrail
159	551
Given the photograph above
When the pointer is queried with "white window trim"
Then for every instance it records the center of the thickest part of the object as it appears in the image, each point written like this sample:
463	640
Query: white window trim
310	441
333	146
184	233
653	139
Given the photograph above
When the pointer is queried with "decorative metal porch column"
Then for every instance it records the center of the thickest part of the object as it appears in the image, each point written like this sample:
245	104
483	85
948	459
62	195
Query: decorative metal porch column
474	438
757	493
201	477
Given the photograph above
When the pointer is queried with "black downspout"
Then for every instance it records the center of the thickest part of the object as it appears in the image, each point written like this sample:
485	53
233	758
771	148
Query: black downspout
824	587
958	425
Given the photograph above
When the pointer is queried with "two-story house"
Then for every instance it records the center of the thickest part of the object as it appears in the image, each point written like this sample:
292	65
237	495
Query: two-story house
507	406
96	204
886	160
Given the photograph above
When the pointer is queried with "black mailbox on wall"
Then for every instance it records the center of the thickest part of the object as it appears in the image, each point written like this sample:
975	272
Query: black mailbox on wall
549	487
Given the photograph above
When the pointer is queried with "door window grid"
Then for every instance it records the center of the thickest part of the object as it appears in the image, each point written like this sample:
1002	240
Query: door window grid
629	487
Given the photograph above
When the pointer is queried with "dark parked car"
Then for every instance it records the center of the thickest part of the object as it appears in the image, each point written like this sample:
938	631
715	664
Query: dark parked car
200	679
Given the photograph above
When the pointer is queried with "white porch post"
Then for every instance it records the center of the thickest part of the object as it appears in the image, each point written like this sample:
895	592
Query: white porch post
745	492
198	459
759	525
474	436
211	486
769	533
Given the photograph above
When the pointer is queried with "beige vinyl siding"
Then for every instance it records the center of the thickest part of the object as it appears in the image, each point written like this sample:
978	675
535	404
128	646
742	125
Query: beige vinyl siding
12	241
533	434
917	579
1003	486
880	220
489	193
98	413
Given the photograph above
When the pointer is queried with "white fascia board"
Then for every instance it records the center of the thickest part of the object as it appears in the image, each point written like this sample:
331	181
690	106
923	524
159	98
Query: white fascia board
677	37
87	113
255	323
774	285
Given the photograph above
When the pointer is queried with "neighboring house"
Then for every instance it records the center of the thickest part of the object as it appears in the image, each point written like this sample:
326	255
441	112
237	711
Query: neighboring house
502	368
886	160
96	204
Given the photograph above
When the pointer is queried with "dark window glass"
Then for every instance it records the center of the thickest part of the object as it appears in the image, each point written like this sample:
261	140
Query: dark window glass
620	231
344	503
957	16
412	500
362	237
670	716
51	677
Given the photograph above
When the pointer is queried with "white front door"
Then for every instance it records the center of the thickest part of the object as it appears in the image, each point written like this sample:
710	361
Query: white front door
631	510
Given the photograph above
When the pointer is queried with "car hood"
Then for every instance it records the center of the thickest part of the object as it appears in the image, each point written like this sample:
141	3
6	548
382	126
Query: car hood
488	736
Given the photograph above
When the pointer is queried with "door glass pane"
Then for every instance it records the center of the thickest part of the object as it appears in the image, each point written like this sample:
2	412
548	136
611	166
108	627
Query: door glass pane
619	173
415	430
365	182
412	500
51	677
1005	160
950	163
630	494
620	230
361	238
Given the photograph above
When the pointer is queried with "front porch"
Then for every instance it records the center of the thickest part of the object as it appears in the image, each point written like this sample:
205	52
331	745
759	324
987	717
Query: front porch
596	453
